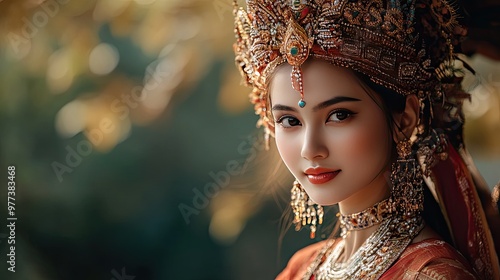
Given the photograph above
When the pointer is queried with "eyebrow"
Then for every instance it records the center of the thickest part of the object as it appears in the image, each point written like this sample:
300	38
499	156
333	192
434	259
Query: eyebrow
322	105
333	101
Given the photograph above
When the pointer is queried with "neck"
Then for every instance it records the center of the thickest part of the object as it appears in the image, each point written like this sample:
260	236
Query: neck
365	198
355	239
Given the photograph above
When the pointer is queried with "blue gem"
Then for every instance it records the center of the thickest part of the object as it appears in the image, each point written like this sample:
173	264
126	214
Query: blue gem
302	103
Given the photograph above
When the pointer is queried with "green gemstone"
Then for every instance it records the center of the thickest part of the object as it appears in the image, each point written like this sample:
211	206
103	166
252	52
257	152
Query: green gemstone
296	3
302	103
294	51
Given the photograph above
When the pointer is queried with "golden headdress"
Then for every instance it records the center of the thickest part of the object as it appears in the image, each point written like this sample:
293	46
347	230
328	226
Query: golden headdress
406	46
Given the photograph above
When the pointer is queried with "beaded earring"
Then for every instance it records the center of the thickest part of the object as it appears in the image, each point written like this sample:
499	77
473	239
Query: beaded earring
305	211
406	179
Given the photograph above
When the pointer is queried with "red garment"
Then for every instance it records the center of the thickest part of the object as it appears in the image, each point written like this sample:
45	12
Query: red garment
464	214
456	192
430	259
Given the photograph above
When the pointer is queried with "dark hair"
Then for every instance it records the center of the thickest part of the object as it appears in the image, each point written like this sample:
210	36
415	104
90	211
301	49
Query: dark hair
392	103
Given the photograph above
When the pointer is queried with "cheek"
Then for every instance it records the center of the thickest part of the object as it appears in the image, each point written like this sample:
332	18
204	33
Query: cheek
365	145
288	148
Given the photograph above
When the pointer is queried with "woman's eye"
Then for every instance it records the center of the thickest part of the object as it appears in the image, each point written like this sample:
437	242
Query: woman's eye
288	122
340	115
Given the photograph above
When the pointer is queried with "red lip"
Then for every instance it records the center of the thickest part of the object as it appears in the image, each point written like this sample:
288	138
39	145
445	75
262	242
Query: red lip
320	175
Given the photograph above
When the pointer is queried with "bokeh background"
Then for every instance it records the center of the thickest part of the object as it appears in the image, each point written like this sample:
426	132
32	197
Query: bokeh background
135	146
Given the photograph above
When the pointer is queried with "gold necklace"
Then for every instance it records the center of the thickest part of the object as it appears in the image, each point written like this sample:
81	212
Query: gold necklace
373	258
367	218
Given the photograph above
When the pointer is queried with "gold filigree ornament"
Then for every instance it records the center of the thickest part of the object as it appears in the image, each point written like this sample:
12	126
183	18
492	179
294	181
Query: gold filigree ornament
405	46
397	44
367	218
296	48
305	211
372	259
407	181
399	219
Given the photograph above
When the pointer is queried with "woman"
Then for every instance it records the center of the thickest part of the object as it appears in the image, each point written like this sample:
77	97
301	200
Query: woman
364	102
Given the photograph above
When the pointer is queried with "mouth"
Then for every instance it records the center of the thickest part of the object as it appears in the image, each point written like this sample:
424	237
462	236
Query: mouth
321	175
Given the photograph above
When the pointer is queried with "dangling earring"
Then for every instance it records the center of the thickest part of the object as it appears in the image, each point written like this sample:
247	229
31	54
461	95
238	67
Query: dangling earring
406	179
305	211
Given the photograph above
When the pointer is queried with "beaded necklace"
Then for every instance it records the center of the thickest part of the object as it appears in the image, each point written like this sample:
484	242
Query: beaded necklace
377	253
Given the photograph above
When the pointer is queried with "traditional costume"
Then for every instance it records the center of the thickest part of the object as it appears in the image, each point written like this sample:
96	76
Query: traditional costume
406	47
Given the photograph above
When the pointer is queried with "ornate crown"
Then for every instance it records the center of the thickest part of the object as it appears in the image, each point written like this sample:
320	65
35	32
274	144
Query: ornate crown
403	45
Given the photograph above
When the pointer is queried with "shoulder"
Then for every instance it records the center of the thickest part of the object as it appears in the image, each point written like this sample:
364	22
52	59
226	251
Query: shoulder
298	264
430	259
445	269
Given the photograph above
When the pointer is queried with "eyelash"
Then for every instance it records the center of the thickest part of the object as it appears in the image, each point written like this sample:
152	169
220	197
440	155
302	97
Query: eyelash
343	111
281	119
334	112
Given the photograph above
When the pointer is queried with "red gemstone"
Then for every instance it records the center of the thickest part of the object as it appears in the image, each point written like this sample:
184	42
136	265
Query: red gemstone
304	12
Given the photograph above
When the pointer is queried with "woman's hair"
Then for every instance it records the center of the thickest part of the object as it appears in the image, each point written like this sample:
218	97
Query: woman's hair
391	103
394	103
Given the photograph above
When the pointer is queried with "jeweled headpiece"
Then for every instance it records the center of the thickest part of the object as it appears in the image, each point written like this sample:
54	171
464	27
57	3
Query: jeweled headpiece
399	44
406	46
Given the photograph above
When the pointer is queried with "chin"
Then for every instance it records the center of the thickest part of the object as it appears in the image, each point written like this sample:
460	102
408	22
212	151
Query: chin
324	200
324	194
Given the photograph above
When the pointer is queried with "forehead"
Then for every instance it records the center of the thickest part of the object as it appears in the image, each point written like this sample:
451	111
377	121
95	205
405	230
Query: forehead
320	78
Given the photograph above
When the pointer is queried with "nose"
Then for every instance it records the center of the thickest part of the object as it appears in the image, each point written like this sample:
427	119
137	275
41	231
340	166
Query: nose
314	144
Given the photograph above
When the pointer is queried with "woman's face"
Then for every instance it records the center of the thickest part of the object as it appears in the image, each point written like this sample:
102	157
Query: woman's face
337	146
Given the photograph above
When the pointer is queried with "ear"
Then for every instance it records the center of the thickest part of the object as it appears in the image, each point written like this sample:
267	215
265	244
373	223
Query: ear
406	121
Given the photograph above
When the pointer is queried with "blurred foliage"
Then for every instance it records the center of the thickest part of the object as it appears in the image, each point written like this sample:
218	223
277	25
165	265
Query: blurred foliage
115	113
120	115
